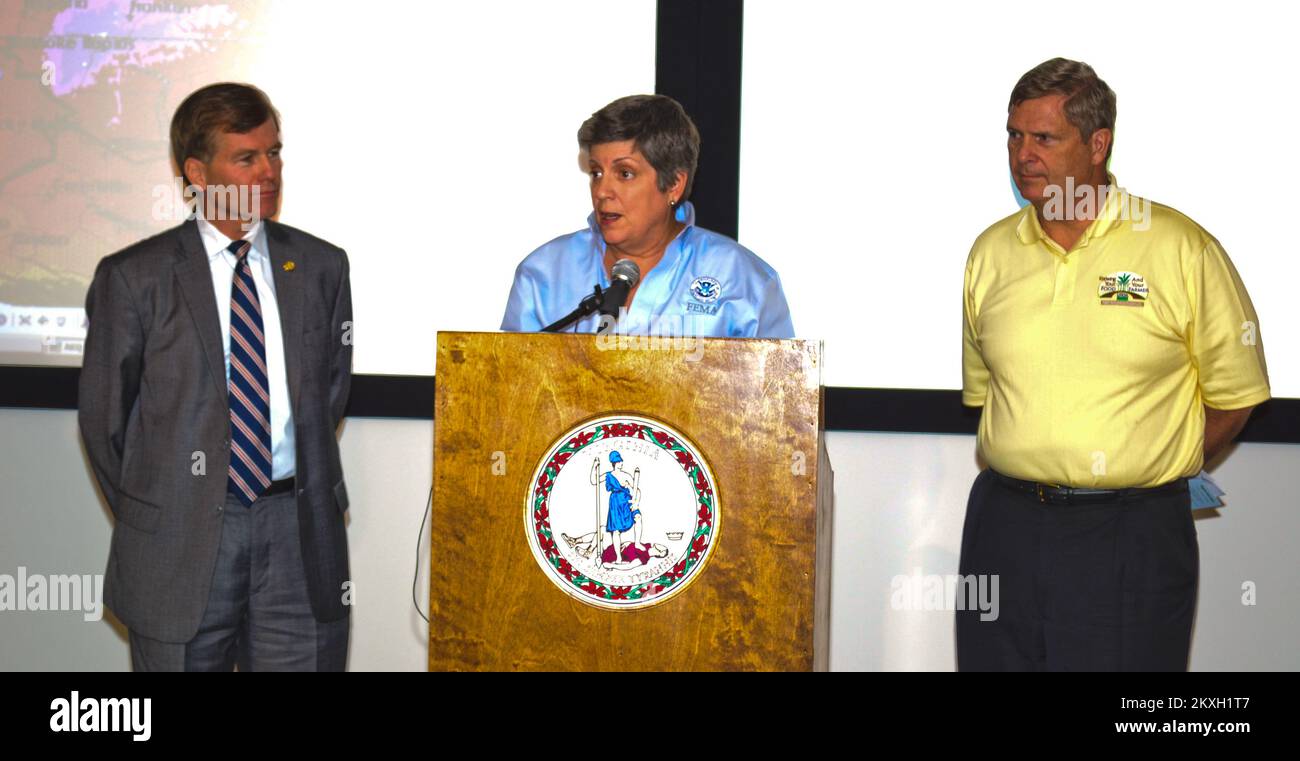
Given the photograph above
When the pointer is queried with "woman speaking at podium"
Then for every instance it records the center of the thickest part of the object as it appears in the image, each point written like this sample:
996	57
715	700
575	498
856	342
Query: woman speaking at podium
641	152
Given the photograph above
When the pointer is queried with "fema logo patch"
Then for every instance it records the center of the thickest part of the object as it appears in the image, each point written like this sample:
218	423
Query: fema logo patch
706	289
622	512
704	296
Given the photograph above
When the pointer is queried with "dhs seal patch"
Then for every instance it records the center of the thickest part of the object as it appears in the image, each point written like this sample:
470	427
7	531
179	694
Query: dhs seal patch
706	289
704	296
622	512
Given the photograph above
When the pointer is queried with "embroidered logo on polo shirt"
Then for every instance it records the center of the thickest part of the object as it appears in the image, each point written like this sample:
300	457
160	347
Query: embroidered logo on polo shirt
704	293
1126	289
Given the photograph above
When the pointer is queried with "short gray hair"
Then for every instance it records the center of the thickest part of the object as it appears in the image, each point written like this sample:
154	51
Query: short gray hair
659	128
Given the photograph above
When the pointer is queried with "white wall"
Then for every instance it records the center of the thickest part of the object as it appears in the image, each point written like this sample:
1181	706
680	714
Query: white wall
874	134
900	500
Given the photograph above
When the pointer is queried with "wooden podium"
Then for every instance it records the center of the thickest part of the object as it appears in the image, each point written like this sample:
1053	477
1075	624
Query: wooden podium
742	573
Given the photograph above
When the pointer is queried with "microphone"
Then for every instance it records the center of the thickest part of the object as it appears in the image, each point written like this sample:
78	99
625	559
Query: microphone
625	277
622	280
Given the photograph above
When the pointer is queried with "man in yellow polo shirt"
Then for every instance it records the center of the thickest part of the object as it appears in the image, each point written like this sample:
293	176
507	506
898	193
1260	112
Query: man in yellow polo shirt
1114	349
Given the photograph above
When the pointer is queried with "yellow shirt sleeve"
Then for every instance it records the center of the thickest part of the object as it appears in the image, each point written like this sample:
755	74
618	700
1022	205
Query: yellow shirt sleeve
974	373
1224	339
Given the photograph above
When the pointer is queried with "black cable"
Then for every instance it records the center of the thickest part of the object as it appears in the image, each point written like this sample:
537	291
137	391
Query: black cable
428	506
589	304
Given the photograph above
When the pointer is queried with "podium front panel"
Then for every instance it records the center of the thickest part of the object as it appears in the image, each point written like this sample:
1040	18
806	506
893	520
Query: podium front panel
751	408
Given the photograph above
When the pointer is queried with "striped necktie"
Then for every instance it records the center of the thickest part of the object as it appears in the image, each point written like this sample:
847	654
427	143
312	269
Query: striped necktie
250	398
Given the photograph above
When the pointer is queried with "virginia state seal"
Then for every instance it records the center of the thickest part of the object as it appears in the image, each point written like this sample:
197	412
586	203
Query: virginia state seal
622	512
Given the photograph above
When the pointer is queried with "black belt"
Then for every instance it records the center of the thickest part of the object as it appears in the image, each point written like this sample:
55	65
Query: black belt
283	486
1049	494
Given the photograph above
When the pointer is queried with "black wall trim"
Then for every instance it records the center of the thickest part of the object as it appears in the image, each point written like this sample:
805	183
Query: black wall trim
400	396
52	388
697	62
936	411
847	409
898	410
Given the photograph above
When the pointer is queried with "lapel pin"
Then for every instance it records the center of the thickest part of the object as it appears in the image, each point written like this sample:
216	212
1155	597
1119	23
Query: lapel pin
288	266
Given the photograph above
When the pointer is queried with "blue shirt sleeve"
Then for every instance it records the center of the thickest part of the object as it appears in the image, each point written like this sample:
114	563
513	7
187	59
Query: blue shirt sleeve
521	314
774	313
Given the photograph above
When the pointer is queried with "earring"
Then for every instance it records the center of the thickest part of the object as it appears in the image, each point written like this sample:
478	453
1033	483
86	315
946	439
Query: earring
672	203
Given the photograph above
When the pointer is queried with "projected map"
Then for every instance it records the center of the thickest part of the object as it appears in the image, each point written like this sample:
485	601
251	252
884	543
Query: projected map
86	93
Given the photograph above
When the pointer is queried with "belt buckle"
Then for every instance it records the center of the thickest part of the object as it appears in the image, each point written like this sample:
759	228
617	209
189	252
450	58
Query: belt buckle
1042	499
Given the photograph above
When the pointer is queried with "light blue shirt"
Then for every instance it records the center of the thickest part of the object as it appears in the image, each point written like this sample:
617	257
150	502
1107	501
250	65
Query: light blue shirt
222	264
706	285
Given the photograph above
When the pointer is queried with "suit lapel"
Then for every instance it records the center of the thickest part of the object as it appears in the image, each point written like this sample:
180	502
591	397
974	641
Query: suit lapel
195	278
287	271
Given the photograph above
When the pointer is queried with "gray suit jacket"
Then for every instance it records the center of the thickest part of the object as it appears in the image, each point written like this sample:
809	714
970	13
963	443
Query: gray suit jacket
154	407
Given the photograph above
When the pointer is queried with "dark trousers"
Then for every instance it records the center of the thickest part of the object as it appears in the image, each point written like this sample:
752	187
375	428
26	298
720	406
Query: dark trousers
259	613
1097	587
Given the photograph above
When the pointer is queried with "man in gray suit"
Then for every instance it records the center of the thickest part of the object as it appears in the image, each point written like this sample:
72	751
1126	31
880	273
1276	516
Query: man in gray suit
216	372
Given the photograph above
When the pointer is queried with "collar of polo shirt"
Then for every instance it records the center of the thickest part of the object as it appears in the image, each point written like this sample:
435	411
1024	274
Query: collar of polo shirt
1030	230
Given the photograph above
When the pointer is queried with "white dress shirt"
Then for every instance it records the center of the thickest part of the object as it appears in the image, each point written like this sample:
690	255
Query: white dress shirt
222	263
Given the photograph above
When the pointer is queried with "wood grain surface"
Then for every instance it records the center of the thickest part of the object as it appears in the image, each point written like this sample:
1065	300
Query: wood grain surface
753	409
